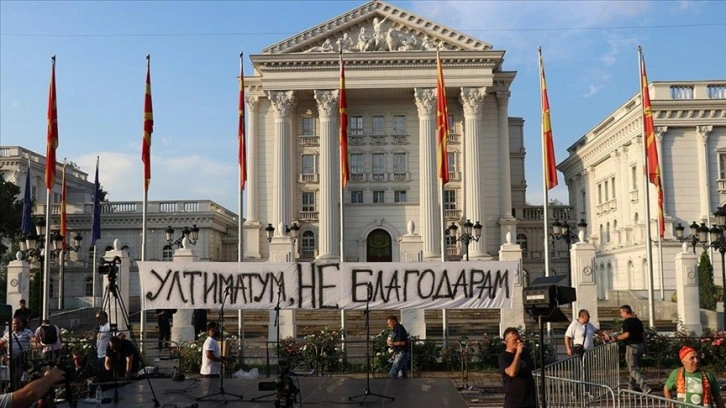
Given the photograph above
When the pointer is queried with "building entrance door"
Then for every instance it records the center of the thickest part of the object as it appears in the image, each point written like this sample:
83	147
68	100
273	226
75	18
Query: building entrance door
379	247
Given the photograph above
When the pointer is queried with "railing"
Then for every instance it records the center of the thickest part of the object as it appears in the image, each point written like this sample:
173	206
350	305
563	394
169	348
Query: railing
399	139
378	176
455	175
378	139
308	177
454	138
308	215
629	398
356	140
452	214
557	212
357	177
309	140
396	176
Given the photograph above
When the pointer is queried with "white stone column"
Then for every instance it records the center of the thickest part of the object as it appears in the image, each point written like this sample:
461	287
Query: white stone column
582	255
252	226
687	291
116	314
702	133
513	317
505	178
329	220
590	204
18	283
283	103
472	100
429	186
182	329
410	249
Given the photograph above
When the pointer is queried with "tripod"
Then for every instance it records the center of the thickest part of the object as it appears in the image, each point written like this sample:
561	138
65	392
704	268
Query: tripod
277	327
220	325
367	391
111	295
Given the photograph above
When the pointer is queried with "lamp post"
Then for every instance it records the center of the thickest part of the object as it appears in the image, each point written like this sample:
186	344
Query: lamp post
561	231
64	248
192	234
471	232
293	231
699	234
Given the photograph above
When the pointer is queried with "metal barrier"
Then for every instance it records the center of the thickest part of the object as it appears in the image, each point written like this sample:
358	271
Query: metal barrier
566	392
628	398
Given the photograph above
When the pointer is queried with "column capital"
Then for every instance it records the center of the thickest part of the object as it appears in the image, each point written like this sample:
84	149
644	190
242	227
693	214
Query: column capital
252	102
703	132
659	132
327	102
503	98
425	100
472	99
282	102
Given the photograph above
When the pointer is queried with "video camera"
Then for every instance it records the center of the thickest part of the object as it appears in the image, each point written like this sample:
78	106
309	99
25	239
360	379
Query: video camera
109	268
284	386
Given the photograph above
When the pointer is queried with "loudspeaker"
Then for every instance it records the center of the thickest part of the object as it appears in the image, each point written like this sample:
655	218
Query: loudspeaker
6	314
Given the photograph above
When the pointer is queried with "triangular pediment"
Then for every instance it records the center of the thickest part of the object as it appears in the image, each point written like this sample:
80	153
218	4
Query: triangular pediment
377	26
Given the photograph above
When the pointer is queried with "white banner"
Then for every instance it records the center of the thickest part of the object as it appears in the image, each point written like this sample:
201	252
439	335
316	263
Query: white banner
309	285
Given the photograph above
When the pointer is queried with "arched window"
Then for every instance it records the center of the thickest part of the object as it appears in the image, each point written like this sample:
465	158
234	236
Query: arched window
167	253
522	242
307	244
89	286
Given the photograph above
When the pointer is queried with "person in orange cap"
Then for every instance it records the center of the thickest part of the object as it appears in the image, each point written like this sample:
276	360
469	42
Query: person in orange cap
692	385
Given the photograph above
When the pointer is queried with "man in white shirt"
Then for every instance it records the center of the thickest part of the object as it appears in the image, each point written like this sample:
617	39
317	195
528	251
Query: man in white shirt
102	338
212	358
20	343
580	335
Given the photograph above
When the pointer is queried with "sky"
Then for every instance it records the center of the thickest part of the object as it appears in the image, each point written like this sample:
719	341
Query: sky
589	48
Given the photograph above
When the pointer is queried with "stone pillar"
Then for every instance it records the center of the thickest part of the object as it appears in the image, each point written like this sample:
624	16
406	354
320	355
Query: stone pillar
329	220
429	185
283	103
252	226
505	177
115	313
472	100
513	317
410	246
702	133
182	330
18	283
689	314
582	255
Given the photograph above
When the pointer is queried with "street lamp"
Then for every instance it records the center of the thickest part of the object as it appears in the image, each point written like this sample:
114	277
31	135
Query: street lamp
561	231
33	246
293	231
471	232
191	233
698	234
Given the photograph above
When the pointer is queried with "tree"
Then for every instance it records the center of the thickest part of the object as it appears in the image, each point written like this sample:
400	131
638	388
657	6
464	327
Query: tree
706	287
11	213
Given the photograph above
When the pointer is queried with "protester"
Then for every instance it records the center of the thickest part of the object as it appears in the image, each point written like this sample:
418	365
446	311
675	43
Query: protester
103	335
199	321
163	320
692	385
580	335
23	313
48	336
633	335
122	357
32	391
20	346
516	365
212	358
398	341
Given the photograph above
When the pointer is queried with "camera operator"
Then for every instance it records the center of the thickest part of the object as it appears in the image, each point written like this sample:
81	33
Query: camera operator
32	391
122	357
212	358
21	343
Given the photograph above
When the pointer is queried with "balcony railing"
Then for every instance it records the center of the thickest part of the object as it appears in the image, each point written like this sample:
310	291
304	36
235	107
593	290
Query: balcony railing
378	177
396	176
308	215
378	139
454	138
357	177
557	212
452	214
356	140
308	178
309	140
454	176
399	139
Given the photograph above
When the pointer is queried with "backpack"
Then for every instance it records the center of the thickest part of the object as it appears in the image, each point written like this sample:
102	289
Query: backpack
48	334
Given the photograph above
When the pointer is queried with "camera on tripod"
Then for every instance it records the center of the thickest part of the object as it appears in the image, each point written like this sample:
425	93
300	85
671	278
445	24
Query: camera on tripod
109	268
283	385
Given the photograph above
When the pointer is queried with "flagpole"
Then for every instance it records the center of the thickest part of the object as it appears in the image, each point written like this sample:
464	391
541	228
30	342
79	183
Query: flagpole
46	258
545	184
95	270
146	158
344	175
63	233
242	158
50	169
646	185
95	227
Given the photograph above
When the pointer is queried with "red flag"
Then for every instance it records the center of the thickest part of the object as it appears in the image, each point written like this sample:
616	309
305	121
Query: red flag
442	124
651	149
343	110
52	136
148	127
550	172
63	216
242	154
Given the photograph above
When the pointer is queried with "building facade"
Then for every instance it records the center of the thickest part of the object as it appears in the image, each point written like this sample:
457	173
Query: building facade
605	179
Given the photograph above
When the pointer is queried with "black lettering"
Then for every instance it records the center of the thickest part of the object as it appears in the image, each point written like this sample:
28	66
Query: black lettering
444	285
176	282
303	287
502	279
461	284
476	278
210	287
322	286
421	279
360	282
405	281
153	296
191	275
393	287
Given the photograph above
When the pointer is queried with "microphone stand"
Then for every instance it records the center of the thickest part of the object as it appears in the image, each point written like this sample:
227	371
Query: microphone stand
367	391
277	327
220	323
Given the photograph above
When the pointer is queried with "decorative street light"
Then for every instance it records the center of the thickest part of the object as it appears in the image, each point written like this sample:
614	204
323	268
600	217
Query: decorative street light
32	248
698	234
293	231
471	232
561	231
191	233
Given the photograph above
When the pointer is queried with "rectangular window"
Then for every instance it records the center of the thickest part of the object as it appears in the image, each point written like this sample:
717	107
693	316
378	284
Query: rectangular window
308	126
356	126
722	166
379	166
399	163
612	184
399	125
400	196
449	199
633	178
308	201
607	191
379	197
356	163
451	156
451	124
308	164
356	197
599	193
379	125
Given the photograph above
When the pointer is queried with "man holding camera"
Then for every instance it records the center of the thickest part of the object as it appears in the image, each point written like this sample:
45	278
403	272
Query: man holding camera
580	335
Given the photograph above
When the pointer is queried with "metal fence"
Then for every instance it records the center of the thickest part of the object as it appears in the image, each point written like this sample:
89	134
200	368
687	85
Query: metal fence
628	398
